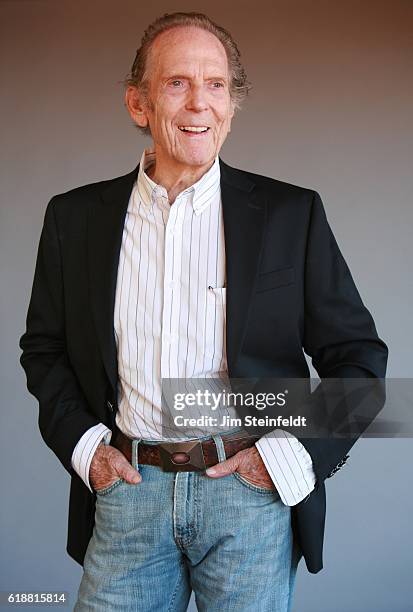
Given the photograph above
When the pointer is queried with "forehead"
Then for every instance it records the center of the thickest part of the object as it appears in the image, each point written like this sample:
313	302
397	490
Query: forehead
186	48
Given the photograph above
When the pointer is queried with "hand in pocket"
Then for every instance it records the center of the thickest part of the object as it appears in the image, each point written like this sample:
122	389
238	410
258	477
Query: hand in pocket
108	465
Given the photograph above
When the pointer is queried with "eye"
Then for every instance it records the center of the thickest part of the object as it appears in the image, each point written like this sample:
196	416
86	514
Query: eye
218	84
176	83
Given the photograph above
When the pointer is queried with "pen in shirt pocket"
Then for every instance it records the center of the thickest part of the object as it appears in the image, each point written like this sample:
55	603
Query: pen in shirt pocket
211	288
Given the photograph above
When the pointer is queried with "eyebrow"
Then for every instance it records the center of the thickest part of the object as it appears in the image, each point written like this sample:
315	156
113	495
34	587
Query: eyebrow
183	76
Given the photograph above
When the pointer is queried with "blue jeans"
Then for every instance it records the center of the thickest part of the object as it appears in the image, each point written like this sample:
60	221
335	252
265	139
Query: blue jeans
153	543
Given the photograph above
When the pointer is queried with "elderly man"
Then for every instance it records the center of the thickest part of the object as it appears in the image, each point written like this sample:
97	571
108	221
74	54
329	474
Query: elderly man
130	289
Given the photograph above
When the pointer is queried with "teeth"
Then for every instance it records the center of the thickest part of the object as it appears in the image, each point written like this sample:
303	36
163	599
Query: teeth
189	128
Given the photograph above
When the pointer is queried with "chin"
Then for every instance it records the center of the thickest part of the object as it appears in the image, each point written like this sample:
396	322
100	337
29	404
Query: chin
199	158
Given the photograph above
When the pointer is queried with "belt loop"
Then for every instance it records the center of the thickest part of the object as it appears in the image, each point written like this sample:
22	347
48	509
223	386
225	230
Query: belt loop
135	459
220	448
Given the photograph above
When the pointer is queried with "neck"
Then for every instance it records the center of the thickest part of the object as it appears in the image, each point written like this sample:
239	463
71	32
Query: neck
176	179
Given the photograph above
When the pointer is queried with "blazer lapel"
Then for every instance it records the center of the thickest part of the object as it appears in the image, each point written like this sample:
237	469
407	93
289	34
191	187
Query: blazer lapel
244	211
106	217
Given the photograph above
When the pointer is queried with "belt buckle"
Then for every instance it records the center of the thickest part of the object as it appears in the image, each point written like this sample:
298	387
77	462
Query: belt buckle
182	456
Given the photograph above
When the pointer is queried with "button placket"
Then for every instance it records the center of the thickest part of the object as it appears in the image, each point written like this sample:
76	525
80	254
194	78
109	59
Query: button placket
171	298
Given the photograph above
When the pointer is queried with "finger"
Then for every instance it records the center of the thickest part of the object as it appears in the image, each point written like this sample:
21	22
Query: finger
125	470
260	481
129	474
224	468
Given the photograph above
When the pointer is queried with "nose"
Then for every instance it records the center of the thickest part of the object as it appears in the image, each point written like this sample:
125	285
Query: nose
197	99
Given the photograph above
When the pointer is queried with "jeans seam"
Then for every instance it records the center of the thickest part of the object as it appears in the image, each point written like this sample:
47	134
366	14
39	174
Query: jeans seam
179	580
108	489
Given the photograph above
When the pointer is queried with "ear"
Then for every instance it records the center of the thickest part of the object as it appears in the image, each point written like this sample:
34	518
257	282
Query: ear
135	104
231	114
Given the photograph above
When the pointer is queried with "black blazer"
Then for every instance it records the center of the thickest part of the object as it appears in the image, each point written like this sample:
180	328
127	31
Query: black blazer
288	289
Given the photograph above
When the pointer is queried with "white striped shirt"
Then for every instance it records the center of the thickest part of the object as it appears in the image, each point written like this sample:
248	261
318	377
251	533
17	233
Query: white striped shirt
170	319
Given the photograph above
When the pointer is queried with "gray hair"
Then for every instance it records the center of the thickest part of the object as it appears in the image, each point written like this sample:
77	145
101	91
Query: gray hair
138	77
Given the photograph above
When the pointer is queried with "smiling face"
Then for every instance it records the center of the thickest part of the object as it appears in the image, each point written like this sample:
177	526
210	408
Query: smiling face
188	107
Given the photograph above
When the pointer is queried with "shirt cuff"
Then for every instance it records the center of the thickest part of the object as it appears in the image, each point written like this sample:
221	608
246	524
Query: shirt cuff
289	465
85	449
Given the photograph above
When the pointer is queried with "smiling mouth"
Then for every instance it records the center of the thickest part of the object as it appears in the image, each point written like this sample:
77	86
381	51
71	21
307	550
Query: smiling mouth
193	129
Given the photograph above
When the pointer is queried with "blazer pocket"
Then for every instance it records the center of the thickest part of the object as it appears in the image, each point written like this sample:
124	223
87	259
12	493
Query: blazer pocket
274	279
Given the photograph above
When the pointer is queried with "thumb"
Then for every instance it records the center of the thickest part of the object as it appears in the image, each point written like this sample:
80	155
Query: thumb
128	472
224	468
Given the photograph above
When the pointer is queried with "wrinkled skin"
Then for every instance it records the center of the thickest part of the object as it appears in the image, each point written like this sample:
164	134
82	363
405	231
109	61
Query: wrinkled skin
109	464
189	85
247	463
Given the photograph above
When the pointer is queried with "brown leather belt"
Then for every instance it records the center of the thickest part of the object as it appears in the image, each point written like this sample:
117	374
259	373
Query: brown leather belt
190	456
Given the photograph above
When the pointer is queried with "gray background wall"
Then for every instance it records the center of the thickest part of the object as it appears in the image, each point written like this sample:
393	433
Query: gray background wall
330	110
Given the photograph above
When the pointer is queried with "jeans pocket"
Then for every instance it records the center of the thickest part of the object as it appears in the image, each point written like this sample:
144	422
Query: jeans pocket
109	488
253	487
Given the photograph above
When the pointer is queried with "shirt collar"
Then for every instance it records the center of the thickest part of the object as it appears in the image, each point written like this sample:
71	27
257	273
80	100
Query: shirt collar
200	193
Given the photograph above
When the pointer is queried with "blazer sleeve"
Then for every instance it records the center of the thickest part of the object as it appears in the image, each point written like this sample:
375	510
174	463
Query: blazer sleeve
63	411
339	334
